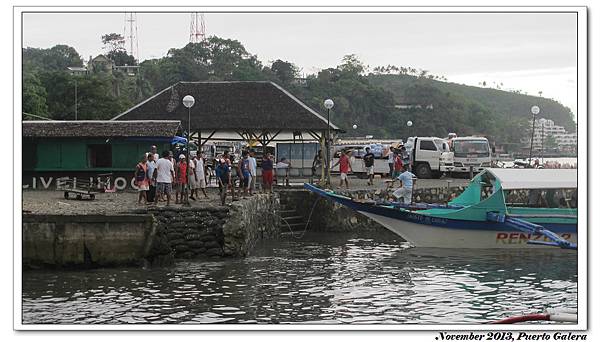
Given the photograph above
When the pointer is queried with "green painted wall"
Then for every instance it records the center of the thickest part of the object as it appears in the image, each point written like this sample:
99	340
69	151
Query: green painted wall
72	154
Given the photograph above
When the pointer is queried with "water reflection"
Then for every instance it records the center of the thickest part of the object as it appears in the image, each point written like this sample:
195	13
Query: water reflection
323	278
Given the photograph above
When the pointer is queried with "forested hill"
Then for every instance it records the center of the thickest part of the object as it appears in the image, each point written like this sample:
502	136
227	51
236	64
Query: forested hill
367	99
500	103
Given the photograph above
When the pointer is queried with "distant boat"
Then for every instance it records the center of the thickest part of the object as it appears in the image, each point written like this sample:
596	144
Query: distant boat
472	220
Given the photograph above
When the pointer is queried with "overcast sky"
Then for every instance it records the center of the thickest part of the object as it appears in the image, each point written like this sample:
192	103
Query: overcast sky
531	52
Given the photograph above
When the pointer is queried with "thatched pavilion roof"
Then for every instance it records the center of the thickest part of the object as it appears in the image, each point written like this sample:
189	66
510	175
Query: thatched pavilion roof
99	129
231	106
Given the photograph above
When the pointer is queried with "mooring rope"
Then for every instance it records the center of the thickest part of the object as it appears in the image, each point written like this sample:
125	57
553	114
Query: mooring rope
305	226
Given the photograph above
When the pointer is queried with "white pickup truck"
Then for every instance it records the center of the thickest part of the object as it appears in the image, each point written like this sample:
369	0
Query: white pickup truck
431	158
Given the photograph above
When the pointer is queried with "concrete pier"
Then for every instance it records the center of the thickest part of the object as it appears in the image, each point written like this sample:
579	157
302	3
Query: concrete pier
113	230
152	236
90	240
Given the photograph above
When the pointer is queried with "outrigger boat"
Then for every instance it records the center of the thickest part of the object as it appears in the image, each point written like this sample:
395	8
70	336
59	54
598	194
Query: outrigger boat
473	220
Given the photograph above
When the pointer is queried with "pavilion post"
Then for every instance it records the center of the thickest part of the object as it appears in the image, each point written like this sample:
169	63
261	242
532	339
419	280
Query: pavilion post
324	163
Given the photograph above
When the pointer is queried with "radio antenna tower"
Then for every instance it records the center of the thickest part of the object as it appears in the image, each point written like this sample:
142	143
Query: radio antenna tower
197	28
131	35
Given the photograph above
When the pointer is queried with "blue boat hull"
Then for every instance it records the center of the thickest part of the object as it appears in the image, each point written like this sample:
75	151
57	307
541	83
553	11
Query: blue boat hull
427	231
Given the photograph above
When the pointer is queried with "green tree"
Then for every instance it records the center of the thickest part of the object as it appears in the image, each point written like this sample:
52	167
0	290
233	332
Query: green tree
120	57
352	65
58	57
60	88
34	95
114	43
284	71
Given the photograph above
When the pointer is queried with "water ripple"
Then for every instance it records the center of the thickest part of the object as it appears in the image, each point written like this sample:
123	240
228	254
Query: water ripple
324	278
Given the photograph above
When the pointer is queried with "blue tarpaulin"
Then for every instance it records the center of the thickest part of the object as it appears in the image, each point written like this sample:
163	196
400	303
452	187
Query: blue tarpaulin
178	140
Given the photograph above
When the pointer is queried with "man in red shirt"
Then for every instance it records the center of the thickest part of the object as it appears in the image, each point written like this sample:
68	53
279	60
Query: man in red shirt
344	163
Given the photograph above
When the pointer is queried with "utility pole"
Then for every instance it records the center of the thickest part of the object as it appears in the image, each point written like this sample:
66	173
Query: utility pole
75	99
130	32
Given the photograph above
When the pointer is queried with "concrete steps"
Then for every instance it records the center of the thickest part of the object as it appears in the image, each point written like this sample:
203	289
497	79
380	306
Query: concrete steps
291	219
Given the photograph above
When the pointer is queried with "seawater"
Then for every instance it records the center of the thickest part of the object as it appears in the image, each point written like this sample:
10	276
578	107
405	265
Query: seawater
320	278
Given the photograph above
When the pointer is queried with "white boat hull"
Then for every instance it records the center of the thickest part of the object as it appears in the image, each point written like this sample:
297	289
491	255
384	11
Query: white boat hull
424	235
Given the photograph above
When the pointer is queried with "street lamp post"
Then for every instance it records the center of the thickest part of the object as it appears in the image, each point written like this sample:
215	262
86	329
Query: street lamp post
409	124
535	110
188	102
328	104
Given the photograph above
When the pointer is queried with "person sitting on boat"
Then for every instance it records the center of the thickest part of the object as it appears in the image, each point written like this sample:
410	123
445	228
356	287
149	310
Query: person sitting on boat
406	185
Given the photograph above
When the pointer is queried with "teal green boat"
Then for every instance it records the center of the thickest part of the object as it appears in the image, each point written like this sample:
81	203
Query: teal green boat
545	214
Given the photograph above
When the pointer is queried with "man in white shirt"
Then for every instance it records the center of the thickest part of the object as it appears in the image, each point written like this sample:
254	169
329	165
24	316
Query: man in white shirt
252	162
191	170
165	175
200	175
406	186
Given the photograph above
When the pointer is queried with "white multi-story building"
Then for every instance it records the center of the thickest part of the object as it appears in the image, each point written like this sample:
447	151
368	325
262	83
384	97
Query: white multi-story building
545	128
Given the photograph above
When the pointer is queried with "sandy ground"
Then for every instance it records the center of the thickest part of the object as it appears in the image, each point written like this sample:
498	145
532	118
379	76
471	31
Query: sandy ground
53	202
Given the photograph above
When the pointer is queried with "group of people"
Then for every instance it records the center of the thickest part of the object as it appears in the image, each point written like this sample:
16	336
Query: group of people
398	160
242	175
399	163
158	177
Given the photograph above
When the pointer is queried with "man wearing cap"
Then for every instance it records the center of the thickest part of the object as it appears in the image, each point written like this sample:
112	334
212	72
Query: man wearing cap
181	179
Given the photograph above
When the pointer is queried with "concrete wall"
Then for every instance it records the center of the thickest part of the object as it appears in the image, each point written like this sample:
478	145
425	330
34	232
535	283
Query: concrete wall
250	221
230	231
326	215
332	217
149	236
91	240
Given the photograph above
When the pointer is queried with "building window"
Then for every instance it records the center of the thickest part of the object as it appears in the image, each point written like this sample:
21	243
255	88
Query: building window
100	155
